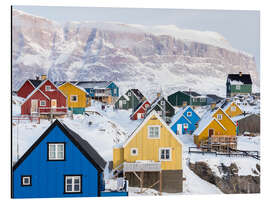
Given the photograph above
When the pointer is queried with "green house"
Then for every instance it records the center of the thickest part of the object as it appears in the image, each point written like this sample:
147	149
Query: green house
238	84
129	100
181	98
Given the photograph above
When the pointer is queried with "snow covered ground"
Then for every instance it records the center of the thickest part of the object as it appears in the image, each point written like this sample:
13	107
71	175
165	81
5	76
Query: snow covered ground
105	128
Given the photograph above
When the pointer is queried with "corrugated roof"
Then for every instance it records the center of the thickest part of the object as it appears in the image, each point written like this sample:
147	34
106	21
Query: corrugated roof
94	84
192	93
244	78
137	93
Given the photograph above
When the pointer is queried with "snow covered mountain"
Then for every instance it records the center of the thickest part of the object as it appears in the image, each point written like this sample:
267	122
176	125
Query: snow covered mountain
153	58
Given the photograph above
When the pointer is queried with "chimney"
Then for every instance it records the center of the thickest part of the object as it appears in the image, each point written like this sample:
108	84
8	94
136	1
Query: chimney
37	77
240	74
158	94
213	105
43	77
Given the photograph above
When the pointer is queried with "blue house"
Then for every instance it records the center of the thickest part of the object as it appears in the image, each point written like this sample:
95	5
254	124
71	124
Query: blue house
184	121
59	164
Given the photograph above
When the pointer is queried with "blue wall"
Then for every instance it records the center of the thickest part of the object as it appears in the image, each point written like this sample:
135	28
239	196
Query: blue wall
48	176
113	86
194	118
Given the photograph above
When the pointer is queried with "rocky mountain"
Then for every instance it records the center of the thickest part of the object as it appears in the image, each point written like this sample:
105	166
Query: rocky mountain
157	58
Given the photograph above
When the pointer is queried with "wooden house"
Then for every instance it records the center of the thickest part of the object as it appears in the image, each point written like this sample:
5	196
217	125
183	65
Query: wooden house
46	100
103	91
163	107
28	87
140	110
130	100
154	154
214	122
183	98
231	108
77	98
238	84
184	121
59	164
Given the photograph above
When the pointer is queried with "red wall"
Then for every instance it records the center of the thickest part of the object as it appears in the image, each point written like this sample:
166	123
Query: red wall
26	107
141	110
25	89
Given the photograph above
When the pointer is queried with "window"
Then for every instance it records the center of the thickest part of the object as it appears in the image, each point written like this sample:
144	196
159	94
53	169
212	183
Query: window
42	103
115	91
91	90
129	94
185	126
189	113
194	99
73	184
47	88
238	87
201	99
56	151
124	101
154	131
162	102
26	180
219	116
146	106
134	151
233	108
73	98
159	113
165	154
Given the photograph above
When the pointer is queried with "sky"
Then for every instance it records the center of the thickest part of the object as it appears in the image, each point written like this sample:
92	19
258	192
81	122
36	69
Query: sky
240	28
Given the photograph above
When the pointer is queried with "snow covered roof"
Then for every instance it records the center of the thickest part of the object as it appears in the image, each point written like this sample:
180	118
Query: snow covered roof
178	115
87	150
137	93
214	97
138	107
242	78
35	83
94	84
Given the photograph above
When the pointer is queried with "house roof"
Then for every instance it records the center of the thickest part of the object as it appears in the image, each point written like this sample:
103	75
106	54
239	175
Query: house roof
138	107
214	97
94	84
153	113
243	78
137	93
179	114
192	93
80	88
86	149
35	83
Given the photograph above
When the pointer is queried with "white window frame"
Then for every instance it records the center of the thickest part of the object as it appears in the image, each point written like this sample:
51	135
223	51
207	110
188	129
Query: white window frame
29	180
134	154
74	96
233	108
73	177
56	158
48	88
129	94
189	113
162	102
219	116
170	154
40	103
148	132
124	102
237	87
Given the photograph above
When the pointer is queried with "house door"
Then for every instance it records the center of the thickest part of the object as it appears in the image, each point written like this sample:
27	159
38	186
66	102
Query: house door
139	116
120	104
53	103
179	129
210	132
34	106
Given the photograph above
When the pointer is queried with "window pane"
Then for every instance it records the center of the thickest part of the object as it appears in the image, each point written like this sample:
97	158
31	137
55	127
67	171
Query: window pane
69	180
60	147
26	180
52	147
69	188
77	188
60	155
52	154
77	180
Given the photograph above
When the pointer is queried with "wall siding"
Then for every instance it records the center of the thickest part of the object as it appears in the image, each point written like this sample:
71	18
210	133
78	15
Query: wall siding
25	89
48	176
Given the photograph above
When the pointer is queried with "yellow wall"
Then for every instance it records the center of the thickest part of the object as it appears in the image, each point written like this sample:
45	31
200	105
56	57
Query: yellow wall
118	157
148	149
218	130
234	113
69	89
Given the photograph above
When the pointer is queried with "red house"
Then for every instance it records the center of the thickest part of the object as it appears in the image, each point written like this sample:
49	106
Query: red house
140	111
28	87
46	99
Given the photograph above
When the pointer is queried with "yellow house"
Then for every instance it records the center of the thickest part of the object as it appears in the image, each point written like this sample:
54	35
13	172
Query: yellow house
215	122
76	96
152	145
232	109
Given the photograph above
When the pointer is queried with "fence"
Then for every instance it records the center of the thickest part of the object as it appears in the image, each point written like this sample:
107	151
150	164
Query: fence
26	118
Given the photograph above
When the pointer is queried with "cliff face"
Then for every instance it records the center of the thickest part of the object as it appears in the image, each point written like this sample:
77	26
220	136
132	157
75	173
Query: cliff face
132	55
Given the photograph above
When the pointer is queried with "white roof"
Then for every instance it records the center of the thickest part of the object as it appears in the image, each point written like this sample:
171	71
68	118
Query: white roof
153	113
